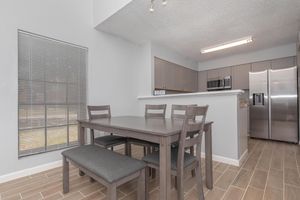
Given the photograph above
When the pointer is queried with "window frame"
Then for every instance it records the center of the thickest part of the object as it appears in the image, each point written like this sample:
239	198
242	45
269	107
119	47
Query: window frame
67	104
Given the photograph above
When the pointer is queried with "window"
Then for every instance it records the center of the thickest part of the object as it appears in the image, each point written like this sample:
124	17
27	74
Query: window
52	93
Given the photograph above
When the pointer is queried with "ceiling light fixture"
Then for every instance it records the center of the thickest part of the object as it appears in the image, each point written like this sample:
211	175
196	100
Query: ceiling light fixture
151	9
233	43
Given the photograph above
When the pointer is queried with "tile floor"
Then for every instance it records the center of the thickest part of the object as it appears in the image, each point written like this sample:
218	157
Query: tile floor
270	172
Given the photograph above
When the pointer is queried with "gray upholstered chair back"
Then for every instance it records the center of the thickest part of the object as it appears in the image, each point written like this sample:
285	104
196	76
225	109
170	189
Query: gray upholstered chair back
99	112
155	111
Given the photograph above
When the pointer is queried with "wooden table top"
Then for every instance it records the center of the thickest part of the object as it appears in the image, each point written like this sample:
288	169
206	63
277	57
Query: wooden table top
154	126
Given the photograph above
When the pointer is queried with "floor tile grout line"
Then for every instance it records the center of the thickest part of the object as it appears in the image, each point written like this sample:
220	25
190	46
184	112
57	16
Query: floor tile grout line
268	173
237	175
252	174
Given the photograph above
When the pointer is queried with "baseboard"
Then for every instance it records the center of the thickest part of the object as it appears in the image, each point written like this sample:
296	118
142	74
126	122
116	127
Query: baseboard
48	166
30	171
230	161
243	157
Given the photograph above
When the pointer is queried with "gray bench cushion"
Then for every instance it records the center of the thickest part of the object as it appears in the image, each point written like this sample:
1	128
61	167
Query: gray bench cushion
104	163
109	140
153	158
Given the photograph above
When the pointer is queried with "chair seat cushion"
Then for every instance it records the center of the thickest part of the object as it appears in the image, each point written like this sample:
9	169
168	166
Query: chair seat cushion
153	158
106	164
110	140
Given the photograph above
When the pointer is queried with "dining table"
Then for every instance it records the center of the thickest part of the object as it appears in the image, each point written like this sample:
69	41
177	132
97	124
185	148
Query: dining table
156	130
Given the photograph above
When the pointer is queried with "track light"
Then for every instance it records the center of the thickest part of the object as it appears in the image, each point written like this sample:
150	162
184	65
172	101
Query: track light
151	9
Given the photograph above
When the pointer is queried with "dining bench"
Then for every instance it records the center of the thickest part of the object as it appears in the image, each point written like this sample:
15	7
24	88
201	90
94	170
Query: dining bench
107	167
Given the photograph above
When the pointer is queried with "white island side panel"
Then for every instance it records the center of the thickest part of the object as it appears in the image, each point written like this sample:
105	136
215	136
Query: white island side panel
223	111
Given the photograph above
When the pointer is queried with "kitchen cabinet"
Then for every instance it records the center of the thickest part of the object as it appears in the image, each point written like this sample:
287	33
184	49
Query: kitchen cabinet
226	71
240	76
218	73
170	76
261	66
283	63
202	81
188	80
159	74
213	74
192	80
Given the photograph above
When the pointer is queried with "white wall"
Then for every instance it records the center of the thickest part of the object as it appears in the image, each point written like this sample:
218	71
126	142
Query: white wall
111	61
103	10
266	54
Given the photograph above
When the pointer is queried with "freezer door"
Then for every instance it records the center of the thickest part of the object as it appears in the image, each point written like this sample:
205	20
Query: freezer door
284	117
259	104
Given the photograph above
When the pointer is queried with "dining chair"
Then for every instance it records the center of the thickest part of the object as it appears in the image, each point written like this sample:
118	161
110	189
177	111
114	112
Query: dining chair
178	112
151	111
107	141
180	159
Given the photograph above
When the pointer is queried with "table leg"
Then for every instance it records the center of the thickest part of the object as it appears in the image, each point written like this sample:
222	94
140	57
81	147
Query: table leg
81	135
208	157
81	138
165	169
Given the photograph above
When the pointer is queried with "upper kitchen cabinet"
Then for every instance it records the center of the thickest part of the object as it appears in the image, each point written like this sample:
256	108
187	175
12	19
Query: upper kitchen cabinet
159	73
192	80
283	63
170	76
202	81
226	71
218	73
240	76
213	74
261	66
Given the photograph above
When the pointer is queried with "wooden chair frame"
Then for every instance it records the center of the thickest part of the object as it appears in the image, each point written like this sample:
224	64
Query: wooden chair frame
101	116
190	127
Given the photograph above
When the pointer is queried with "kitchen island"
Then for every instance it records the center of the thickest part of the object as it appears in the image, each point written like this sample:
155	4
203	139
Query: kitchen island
229	130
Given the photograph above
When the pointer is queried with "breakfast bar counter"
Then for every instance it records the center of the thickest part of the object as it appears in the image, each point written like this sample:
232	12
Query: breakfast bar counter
229	132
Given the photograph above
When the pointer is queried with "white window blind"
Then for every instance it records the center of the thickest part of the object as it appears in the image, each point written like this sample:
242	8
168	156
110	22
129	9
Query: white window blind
52	93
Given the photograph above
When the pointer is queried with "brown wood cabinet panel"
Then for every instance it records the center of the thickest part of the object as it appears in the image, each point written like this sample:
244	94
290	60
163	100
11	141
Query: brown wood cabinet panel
226	71
202	81
261	66
283	63
171	72
213	74
240	76
193	81
159	68
171	76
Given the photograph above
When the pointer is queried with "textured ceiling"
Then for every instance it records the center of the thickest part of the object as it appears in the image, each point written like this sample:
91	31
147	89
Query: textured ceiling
186	26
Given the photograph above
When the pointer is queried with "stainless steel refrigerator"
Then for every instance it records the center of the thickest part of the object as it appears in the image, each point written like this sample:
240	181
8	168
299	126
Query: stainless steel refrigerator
274	104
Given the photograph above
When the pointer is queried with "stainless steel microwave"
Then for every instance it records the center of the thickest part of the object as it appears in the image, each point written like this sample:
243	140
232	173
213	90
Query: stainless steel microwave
219	84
